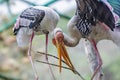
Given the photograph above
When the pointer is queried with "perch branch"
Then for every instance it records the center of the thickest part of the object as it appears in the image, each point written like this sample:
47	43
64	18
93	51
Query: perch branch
58	65
62	67
50	56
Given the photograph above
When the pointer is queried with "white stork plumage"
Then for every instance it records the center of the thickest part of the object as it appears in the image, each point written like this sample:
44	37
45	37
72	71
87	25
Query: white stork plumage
94	20
37	20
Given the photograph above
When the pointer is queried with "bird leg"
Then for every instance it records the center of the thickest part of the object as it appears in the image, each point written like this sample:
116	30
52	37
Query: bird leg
98	57
46	51
30	57
46	46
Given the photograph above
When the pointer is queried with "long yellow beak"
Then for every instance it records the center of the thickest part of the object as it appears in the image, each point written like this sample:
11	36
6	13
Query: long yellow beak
62	52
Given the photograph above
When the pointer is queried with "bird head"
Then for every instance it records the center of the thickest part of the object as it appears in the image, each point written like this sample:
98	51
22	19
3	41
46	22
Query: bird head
23	37
57	35
58	41
22	34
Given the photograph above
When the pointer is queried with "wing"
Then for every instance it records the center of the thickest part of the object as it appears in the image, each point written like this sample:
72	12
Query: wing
105	15
96	10
85	18
34	15
31	18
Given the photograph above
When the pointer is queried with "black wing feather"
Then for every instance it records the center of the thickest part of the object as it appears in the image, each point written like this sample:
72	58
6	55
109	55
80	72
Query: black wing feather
35	16
105	15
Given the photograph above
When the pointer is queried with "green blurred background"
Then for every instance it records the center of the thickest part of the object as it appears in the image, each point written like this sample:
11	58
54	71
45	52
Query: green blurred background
14	63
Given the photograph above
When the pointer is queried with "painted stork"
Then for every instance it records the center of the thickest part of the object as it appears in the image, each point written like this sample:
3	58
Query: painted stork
37	20
94	20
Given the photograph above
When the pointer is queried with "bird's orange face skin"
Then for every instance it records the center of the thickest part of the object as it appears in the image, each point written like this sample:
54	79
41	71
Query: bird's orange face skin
59	36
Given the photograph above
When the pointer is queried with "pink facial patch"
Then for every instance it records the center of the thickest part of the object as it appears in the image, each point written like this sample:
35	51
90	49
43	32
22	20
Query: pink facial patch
16	25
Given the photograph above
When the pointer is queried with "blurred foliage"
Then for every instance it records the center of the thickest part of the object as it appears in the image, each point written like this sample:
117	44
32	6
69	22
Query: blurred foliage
2	1
112	71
